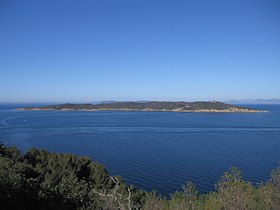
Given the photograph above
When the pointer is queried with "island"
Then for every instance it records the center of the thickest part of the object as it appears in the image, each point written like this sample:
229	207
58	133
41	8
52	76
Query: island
167	106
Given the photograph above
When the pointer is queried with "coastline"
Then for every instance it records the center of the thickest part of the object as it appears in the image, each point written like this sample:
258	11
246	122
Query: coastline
234	110
155	106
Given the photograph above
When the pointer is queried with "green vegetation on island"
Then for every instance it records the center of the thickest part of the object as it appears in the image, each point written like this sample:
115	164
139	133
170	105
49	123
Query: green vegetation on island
200	106
43	180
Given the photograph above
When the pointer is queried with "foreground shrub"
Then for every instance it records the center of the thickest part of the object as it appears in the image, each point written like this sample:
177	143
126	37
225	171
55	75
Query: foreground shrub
45	180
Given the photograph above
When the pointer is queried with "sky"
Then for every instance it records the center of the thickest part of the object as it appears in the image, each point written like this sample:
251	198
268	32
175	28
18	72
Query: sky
98	50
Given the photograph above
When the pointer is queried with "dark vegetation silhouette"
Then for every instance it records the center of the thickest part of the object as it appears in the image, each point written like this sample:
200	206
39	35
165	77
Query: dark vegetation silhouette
43	180
149	106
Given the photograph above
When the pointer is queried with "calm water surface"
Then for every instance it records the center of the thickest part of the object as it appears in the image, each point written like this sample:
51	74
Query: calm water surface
155	150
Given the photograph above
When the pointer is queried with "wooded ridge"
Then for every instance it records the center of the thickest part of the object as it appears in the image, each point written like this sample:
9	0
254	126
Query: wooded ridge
199	106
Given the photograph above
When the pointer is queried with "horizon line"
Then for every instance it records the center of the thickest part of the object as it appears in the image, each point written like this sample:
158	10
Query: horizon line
277	100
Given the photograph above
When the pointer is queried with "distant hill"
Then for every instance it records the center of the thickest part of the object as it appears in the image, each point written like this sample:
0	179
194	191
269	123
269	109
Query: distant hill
199	106
255	101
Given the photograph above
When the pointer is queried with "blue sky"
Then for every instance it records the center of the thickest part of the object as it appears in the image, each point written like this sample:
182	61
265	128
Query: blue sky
84	51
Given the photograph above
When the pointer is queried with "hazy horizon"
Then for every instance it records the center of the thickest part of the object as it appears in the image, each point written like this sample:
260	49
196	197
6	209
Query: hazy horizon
233	101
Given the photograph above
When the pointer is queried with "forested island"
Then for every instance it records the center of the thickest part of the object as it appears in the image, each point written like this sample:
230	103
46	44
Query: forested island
200	106
44	180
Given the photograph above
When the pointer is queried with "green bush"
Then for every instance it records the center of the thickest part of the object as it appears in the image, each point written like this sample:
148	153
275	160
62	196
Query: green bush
44	180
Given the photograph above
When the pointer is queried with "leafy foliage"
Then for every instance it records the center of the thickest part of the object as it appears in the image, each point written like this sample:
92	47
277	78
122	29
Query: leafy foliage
45	180
232	193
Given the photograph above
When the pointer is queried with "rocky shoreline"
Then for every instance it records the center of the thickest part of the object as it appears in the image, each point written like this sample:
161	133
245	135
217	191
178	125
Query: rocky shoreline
154	106
151	110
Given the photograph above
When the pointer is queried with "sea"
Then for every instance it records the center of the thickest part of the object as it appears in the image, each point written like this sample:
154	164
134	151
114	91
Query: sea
155	150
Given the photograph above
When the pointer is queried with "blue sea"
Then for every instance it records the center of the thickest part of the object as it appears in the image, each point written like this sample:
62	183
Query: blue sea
155	150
